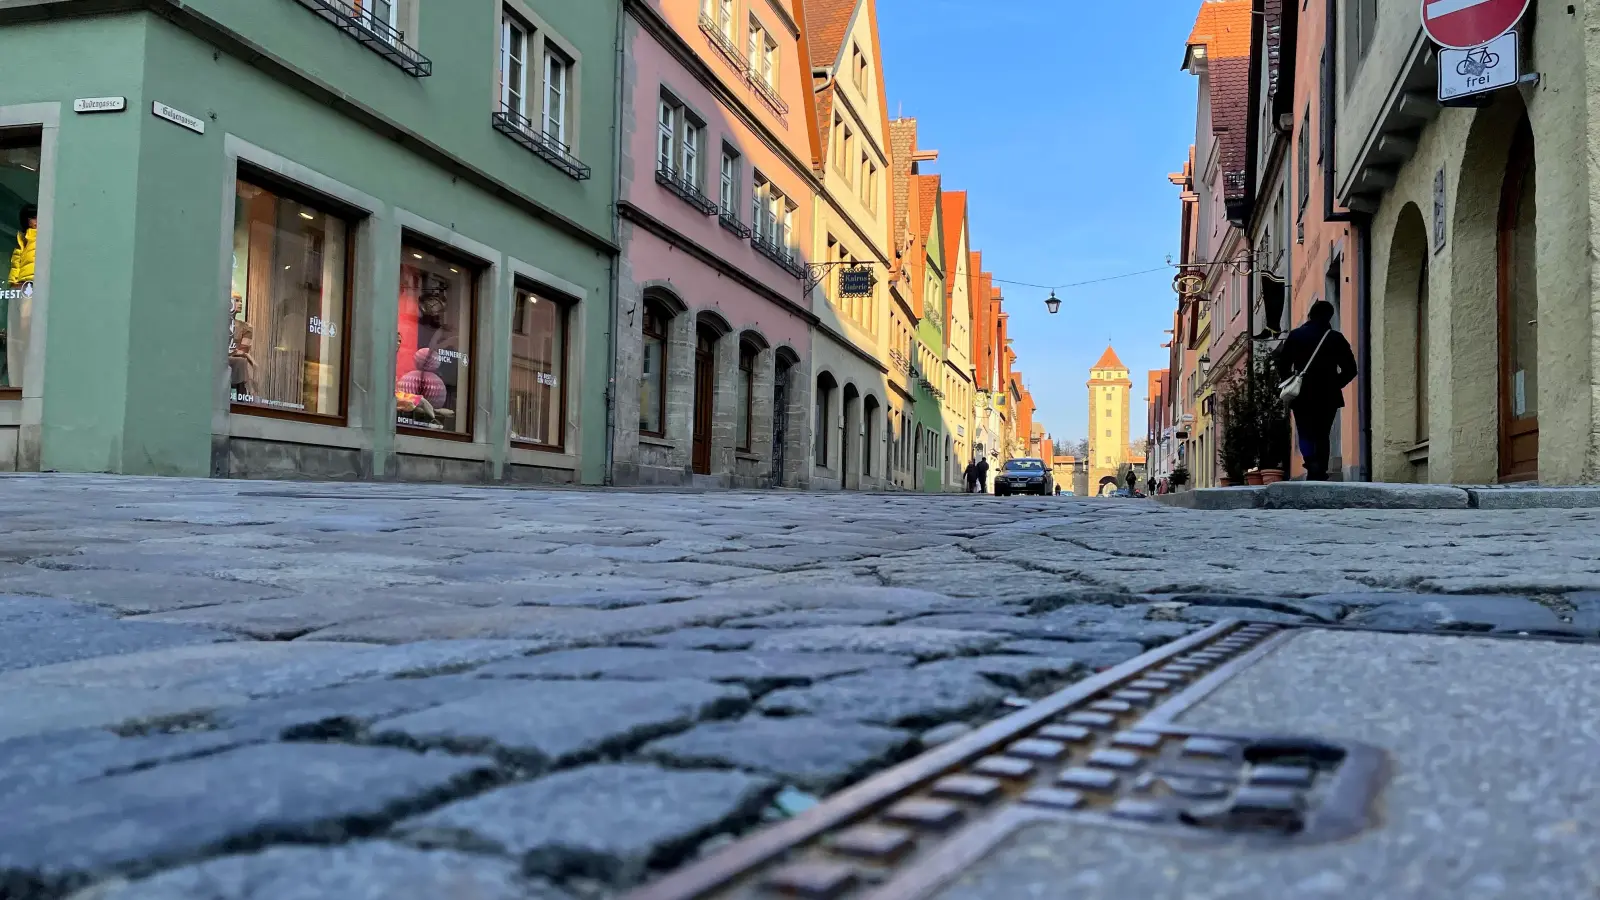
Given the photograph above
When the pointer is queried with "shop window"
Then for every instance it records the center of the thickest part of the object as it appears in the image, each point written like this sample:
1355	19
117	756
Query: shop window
438	302
653	372
289	305
746	399
538	370
19	238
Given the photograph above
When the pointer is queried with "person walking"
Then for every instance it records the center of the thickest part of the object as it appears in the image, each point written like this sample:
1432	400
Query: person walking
971	475
1132	480
1151	484
983	475
1319	357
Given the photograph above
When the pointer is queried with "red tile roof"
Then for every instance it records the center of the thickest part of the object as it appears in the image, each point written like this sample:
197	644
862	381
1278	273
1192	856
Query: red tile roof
954	204
827	22
927	199
1109	360
1223	26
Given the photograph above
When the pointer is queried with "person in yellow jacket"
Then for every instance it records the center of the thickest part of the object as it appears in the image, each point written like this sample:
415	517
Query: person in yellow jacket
22	258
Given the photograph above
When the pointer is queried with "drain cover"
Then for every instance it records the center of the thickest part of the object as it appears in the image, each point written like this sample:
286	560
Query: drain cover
1209	758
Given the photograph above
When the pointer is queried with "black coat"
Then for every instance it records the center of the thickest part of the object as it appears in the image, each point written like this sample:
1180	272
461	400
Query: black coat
1332	369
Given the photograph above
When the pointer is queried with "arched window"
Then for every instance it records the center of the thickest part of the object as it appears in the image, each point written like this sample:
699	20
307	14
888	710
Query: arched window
747	391
653	372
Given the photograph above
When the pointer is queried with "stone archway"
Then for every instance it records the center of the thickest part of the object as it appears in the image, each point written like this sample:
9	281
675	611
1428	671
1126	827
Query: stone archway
850	441
872	430
1468	449
1403	401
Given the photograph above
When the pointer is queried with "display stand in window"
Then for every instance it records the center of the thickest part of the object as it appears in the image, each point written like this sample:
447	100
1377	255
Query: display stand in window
433	384
287	341
538	370
19	240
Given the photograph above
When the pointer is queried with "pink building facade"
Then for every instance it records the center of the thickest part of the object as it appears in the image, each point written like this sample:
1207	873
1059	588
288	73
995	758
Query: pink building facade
712	368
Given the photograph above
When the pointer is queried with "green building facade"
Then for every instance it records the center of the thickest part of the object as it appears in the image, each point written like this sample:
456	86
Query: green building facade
934	457
315	238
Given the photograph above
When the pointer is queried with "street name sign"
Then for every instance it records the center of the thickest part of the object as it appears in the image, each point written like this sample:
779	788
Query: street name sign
1463	73
1467	24
99	104
178	117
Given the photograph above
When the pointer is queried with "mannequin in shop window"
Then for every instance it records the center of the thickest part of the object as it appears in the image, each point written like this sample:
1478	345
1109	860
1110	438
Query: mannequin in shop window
427	392
241	339
13	325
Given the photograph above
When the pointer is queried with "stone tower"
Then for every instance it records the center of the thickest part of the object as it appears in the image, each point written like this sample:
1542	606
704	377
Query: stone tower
1110	408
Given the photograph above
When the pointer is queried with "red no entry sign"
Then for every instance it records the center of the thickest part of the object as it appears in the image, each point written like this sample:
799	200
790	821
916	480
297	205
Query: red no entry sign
1464	24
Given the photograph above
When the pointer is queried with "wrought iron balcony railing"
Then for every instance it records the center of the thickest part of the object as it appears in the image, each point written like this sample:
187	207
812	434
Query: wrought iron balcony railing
723	43
783	256
372	33
730	221
679	183
766	92
522	130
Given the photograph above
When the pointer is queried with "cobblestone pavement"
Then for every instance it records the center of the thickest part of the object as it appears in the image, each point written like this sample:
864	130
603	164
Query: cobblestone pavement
243	691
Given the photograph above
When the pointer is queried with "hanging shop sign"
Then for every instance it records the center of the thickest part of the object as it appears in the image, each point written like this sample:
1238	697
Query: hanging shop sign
1463	73
857	281
88	105
1466	24
178	117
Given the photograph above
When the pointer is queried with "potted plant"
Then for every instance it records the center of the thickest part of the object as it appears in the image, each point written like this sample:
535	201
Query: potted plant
1238	427
1179	477
1271	424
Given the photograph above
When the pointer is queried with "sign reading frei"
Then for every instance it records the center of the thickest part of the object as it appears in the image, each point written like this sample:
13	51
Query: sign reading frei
1463	73
100	104
178	117
1466	24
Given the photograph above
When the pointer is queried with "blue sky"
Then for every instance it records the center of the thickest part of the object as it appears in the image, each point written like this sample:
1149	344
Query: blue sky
1062	127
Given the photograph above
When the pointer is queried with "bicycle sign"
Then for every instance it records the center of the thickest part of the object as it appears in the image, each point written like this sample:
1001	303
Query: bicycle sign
1463	73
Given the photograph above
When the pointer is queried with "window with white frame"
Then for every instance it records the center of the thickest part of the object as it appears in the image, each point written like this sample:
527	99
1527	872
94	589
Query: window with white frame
667	135
679	140
514	35
758	207
763	53
379	13
728	189
725	19
557	93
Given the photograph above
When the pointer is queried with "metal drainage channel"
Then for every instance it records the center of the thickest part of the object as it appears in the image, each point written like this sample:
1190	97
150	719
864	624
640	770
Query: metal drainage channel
1104	750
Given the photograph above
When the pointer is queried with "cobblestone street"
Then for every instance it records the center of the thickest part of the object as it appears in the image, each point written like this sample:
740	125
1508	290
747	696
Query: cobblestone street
243	691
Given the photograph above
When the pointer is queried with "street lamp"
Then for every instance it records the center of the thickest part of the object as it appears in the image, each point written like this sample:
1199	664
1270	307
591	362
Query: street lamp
1205	363
1053	304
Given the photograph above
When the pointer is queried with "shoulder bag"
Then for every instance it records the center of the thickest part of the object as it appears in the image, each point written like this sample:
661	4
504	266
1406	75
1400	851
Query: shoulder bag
1289	390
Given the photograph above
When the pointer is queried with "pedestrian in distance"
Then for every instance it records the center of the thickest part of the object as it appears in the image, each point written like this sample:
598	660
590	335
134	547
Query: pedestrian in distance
1058	490
983	475
971	475
1132	480
1319	364
1151	484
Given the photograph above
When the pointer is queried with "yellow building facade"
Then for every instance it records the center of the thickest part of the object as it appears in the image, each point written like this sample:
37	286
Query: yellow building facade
1110	410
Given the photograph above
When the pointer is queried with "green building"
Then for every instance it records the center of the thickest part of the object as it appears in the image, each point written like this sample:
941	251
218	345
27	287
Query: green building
934	442
317	238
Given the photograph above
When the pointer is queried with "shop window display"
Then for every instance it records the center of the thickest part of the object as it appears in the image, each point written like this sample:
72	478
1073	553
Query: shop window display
19	238
433	387
538	369
286	334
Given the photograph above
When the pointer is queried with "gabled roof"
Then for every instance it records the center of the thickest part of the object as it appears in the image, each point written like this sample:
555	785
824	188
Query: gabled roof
1109	360
955	220
927	199
1223	28
828	22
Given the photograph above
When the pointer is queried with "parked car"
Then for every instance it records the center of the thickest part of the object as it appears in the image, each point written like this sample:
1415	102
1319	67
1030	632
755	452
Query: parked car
1024	476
